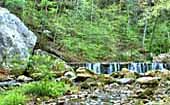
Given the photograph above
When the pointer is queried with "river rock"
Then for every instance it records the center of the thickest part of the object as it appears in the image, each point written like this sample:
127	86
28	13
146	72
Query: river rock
24	78
70	75
148	80
164	74
125	73
16	40
125	80
83	74
10	83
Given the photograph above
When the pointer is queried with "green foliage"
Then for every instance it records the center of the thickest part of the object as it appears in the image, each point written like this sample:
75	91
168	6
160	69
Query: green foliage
20	95
17	67
59	66
12	98
45	88
15	3
38	62
100	30
43	66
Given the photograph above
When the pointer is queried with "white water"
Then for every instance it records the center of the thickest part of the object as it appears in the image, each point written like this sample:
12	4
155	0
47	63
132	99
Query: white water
114	67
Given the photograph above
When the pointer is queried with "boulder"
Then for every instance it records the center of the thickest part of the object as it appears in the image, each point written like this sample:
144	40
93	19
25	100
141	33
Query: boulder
145	93
125	73
105	79
23	78
163	74
83	74
16	40
70	75
148	80
125	80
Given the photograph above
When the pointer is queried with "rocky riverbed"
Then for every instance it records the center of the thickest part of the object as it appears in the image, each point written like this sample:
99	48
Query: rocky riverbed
120	88
153	88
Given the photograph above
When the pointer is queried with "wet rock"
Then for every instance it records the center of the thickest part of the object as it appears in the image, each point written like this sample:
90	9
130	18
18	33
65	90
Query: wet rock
83	74
105	78
159	73
24	78
125	80
9	83
70	75
148	80
125	73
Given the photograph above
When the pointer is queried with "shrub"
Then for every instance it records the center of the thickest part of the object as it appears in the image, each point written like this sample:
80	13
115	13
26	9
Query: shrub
15	3
12	98
46	88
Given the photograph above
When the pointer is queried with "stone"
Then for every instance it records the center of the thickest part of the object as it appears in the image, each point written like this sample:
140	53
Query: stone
70	75
23	78
9	83
163	74
125	73
125	80
16	40
83	74
3	74
148	80
145	93
105	78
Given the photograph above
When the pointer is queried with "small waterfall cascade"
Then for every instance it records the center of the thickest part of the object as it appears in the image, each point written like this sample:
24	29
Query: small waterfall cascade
110	69
143	67
139	67
96	67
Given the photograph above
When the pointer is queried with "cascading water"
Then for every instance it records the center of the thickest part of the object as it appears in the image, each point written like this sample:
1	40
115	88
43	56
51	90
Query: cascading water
97	68
115	66
110	70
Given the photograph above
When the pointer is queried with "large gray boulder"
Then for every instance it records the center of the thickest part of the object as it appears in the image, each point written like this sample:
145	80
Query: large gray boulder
15	38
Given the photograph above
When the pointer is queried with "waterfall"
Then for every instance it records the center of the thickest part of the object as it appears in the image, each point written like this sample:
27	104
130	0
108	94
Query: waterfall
110	70
138	67
115	67
97	68
89	66
133	67
157	66
118	66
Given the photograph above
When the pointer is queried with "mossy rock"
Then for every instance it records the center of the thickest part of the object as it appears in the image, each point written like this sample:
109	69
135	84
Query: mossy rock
83	73
125	73
146	93
105	78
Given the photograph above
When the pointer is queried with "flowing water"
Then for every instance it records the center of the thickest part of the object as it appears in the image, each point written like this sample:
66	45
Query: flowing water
108	68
